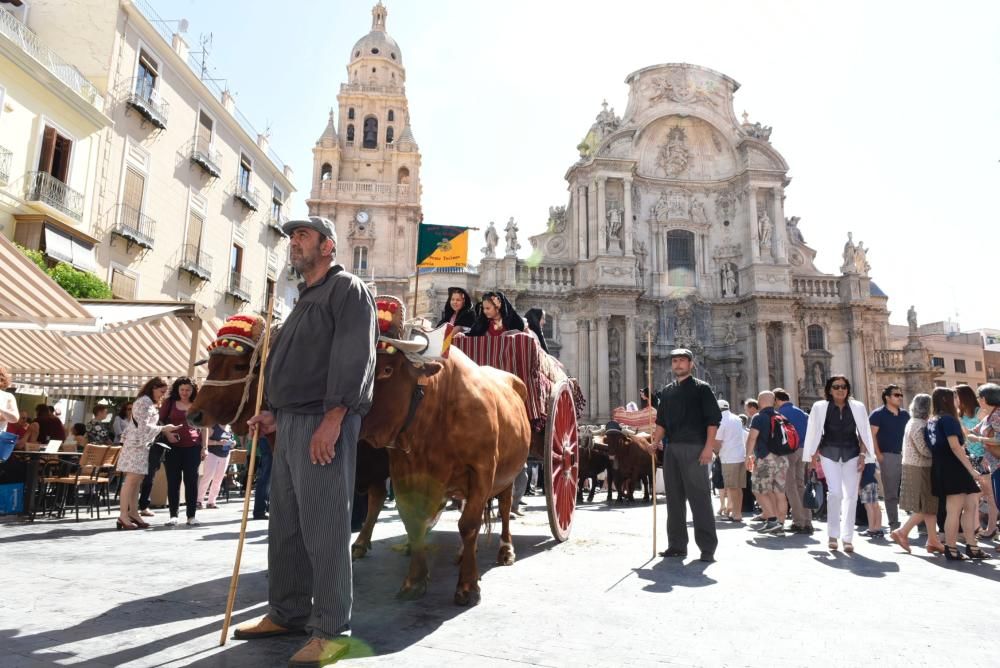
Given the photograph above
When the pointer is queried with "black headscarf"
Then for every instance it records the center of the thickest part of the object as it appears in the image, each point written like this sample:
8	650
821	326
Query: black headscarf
534	317
510	318
466	317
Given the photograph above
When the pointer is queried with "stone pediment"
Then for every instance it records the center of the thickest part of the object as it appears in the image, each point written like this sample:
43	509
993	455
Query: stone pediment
757	154
681	87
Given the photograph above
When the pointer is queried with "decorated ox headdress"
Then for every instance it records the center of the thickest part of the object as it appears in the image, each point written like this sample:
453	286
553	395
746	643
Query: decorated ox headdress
238	334
396	334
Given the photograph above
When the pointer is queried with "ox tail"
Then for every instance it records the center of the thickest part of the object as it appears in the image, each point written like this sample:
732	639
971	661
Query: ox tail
488	520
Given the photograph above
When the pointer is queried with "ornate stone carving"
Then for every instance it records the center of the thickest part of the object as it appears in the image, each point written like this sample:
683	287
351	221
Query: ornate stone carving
728	250
795	258
607	122
671	205
557	219
640	252
512	245
911	319
684	323
679	88
729	338
615	218
615	271
766	229
555	246
674	154
492	238
730	280
855	257
725	204
698	212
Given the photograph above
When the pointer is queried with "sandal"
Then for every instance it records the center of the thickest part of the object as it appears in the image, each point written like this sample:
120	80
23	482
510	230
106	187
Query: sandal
936	548
900	539
952	554
975	552
832	544
982	535
848	547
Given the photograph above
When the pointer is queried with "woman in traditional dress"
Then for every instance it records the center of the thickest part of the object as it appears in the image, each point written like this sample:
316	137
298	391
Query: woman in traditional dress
133	460
536	321
458	309
496	315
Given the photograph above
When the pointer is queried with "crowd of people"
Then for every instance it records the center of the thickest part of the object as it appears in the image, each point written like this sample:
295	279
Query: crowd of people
939	461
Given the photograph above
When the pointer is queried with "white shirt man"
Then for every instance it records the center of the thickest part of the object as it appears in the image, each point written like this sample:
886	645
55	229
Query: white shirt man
731	447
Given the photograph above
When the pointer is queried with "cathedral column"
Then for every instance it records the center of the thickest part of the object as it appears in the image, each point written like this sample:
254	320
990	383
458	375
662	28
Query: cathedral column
859	384
602	216
754	229
583	351
581	221
627	196
780	229
734	404
592	219
789	378
603	378
760	340
631	381
592	379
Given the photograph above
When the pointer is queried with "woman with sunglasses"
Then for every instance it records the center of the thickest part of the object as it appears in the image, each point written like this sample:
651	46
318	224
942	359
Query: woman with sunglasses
840	438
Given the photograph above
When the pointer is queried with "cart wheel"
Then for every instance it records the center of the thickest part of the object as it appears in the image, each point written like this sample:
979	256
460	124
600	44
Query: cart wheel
562	461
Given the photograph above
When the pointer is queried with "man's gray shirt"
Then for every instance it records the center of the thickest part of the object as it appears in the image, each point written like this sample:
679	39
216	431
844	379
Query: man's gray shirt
324	355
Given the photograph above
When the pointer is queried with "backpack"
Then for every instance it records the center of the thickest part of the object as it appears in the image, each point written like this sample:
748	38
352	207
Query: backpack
783	440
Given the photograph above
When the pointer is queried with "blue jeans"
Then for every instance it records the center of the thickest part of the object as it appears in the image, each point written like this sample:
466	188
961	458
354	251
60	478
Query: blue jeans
262	488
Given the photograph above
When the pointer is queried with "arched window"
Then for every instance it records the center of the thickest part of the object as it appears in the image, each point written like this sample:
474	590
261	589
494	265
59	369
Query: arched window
403	175
326	172
680	258
391	117
350	132
370	139
350	114
388	135
360	260
815	338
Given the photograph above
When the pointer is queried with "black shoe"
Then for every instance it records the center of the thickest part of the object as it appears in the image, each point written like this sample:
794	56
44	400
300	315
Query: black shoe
707	557
671	552
260	517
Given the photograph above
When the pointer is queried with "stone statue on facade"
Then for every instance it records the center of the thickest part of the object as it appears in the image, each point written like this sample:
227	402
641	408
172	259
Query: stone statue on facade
698	213
911	319
512	245
794	233
683	323
639	249
729	338
766	232
607	122
850	264
557	219
660	211
674	155
730	281
861	259
492	238
615	217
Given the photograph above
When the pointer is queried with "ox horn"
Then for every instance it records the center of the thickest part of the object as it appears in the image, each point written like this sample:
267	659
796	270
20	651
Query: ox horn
412	346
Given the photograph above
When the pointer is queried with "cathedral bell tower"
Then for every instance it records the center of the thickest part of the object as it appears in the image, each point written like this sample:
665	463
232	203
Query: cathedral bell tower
366	176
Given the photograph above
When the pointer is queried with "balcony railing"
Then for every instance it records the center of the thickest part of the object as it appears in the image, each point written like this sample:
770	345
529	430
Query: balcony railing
145	99
364	273
45	188
889	359
205	157
22	36
276	221
196	262
367	191
248	197
5	158
818	288
239	286
363	88
134	226
545	278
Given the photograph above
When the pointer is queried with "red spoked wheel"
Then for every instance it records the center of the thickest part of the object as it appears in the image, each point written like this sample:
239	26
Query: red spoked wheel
562	461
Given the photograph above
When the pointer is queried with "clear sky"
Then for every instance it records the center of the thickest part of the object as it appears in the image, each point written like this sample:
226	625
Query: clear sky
887	112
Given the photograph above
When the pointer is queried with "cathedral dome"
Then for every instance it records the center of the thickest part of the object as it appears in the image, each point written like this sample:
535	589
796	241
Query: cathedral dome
378	43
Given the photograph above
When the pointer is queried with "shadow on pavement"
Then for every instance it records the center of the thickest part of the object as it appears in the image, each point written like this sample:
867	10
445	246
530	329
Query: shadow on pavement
668	573
855	563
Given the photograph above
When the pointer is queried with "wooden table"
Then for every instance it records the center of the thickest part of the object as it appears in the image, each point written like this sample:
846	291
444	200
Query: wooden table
31	483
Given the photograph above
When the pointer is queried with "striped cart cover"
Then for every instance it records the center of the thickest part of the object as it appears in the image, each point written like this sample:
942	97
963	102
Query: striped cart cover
638	420
514	353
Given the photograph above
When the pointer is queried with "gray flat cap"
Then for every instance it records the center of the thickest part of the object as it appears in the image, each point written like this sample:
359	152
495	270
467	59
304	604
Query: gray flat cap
682	352
322	225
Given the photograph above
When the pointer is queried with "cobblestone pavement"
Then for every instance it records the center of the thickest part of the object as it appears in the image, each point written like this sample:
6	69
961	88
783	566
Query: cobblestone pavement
85	594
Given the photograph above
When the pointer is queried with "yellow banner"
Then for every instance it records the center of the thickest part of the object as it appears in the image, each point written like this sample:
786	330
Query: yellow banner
452	252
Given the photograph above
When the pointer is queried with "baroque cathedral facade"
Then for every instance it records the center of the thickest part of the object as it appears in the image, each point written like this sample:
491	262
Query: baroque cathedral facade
676	234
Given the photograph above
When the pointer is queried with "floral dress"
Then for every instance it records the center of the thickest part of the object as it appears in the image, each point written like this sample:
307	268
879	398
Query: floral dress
139	433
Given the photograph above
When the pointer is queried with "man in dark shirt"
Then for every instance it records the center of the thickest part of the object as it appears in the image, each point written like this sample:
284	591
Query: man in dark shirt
688	418
319	384
770	469
795	486
49	426
888	426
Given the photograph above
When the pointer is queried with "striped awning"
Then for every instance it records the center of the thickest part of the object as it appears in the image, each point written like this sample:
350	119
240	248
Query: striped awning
30	298
112	363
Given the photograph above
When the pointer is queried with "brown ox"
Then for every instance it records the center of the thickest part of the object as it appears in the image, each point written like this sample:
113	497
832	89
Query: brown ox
219	403
467	438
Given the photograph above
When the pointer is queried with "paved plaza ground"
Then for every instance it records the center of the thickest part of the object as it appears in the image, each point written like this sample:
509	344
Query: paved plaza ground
85	594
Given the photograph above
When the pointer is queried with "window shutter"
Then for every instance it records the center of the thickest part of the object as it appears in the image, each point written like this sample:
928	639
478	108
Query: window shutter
195	223
48	150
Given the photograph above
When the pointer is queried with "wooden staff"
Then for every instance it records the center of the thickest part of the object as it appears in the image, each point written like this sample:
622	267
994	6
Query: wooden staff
652	455
252	455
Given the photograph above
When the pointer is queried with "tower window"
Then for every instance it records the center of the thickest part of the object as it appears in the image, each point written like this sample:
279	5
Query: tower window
388	135
393	55
370	139
680	258
391	117
326	172
350	132
357	53
360	259
350	114
375	51
403	176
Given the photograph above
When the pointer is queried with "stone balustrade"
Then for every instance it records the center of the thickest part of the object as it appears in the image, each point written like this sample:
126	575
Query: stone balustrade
816	288
889	359
366	191
544	278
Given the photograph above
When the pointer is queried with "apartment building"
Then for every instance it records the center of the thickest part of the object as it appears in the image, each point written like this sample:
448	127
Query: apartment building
51	120
959	356
187	196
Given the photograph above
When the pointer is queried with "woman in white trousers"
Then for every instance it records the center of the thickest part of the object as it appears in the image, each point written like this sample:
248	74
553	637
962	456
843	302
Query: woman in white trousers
839	435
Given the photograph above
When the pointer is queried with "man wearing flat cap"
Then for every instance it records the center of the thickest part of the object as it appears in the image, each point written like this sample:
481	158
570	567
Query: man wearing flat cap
688	417
318	383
